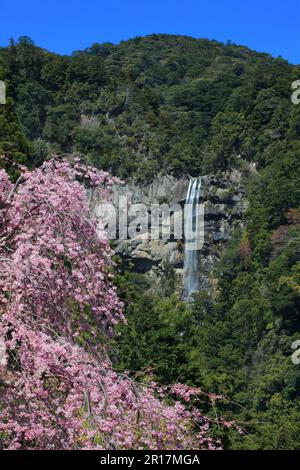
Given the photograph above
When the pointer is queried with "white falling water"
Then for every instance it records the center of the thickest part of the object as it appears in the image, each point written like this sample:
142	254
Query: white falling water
191	255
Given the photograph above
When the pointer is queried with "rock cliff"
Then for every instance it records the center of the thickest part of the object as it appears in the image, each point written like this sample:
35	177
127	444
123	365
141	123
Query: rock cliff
223	197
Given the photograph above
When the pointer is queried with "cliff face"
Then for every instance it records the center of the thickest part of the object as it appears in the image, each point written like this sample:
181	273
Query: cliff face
223	197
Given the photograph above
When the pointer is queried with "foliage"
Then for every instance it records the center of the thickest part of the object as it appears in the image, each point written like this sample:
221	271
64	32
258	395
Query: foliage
58	390
155	103
12	141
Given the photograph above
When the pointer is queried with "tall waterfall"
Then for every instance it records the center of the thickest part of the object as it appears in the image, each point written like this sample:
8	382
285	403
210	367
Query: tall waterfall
191	253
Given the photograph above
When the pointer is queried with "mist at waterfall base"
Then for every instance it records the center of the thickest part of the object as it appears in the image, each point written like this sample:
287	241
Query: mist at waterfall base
191	256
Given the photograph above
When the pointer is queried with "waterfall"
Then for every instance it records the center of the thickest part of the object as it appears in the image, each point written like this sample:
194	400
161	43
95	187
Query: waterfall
191	253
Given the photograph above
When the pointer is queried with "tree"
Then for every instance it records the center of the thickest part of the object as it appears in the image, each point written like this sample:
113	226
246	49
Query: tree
13	143
57	304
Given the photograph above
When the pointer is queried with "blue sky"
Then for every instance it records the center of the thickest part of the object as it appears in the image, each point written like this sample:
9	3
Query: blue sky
66	25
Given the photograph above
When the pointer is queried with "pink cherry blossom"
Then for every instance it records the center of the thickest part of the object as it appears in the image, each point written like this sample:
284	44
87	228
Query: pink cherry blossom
57	305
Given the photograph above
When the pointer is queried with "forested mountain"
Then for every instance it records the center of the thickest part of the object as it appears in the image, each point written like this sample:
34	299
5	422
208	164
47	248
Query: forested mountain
179	105
167	103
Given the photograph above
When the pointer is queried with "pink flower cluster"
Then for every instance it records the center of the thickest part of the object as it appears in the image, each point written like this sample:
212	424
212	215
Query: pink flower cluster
56	297
184	391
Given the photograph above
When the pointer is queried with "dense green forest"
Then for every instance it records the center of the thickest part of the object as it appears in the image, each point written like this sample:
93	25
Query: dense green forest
179	105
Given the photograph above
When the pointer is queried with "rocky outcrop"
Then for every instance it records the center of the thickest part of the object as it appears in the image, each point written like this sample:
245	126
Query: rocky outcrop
224	202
